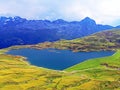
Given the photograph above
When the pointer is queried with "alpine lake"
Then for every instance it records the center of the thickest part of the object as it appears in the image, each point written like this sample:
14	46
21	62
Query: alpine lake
57	59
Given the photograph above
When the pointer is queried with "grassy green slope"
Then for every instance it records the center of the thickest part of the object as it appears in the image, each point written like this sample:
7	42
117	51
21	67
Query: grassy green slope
112	62
107	40
17	74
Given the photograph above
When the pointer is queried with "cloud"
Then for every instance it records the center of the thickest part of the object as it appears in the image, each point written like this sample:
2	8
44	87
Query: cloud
103	11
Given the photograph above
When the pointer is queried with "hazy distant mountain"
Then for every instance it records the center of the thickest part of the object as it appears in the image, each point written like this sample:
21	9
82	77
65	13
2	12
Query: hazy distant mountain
17	30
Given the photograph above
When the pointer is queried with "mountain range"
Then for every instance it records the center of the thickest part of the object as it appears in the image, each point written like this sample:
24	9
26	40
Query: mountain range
20	31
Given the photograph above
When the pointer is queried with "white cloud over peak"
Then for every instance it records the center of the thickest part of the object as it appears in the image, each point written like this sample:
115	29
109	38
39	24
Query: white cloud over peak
103	11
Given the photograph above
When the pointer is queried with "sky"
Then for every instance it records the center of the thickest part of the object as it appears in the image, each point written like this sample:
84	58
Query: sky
102	11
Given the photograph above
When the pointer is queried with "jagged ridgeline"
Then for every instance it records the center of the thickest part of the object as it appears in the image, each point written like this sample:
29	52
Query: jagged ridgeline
20	31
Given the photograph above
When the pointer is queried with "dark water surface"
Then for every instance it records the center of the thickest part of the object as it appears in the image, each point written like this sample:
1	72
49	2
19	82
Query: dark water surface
57	59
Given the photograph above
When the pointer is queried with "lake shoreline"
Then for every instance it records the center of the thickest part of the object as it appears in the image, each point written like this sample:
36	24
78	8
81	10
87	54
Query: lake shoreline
56	59
48	45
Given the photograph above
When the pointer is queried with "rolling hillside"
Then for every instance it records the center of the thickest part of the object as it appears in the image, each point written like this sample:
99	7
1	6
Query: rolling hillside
106	40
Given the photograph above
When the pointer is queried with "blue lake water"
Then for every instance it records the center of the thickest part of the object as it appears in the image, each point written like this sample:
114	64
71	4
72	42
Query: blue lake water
57	59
